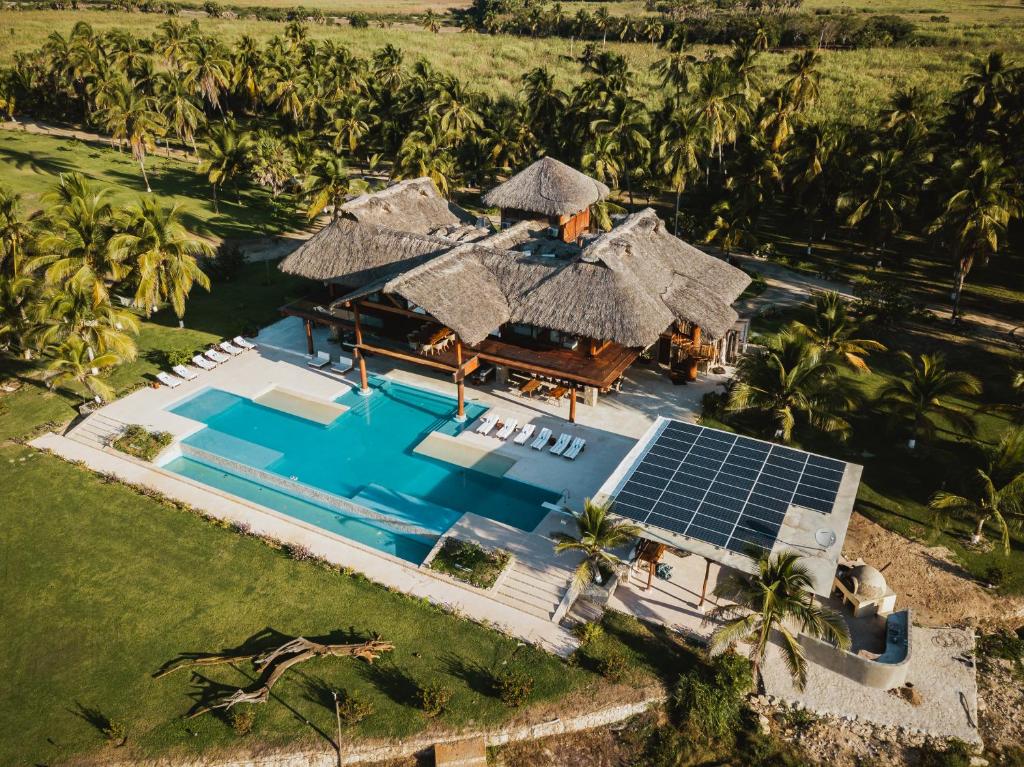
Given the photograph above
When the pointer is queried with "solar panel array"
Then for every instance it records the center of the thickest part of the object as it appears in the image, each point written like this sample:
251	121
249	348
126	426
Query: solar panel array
727	490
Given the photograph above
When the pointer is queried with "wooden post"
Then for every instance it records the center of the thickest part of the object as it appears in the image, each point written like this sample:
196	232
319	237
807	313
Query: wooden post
572	405
461	416
691	374
364	387
704	588
337	722
309	338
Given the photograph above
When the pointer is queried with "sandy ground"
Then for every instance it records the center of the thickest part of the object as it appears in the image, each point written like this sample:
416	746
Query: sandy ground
928	580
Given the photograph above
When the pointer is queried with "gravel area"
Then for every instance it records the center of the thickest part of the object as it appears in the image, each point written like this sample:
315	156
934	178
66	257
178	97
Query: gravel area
946	683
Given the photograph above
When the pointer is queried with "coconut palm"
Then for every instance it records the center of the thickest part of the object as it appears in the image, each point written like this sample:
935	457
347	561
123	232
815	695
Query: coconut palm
719	108
602	158
833	328
164	254
998	495
70	362
676	153
133	117
770	601
182	115
597	533
627	123
328	184
422	153
455	109
801	88
985	195
15	233
222	157
791	381
922	396
206	69
63	312
885	190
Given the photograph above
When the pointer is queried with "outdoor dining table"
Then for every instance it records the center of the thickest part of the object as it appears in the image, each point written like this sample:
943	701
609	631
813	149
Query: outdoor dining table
530	387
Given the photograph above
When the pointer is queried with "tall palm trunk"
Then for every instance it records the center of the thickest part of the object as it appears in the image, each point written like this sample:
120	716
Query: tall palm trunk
958	285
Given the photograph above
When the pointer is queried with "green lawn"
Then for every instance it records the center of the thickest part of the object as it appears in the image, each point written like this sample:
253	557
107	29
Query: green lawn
32	164
250	301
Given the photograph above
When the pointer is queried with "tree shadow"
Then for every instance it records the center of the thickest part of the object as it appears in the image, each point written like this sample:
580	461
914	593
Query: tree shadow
663	651
93	717
477	677
392	681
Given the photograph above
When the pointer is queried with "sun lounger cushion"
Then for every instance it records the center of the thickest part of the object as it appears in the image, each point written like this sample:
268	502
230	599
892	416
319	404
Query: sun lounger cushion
575	448
487	424
524	434
185	372
242	343
506	431
168	380
542	439
200	361
230	348
216	356
559	447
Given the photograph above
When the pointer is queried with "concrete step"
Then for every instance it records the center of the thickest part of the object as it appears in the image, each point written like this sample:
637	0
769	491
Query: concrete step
533	591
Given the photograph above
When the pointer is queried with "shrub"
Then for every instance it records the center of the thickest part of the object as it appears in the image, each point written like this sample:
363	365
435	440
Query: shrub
114	731
588	633
709	700
359	20
298	552
352	709
242	719
513	686
956	754
470	562
613	665
995	575
434	698
226	263
178	357
141	443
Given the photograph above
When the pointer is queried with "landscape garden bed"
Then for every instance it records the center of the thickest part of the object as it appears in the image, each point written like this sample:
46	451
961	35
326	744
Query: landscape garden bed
141	443
470	562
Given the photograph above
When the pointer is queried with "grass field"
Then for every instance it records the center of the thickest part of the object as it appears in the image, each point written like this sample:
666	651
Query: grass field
106	586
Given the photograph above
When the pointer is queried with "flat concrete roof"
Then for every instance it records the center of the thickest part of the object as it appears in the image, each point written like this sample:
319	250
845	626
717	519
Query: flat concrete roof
798	531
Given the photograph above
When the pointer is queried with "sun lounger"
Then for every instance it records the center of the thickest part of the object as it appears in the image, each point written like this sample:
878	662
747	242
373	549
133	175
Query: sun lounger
216	356
506	430
320	361
487	424
185	372
242	343
202	362
168	380
542	439
524	434
230	348
575	448
559	447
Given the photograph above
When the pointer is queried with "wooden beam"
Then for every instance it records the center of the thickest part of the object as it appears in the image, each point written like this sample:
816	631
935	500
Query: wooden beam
572	405
309	338
406	357
704	588
400	311
461	385
364	387
691	374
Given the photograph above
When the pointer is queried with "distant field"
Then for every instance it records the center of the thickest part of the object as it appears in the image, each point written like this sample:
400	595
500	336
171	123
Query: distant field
854	83
371	7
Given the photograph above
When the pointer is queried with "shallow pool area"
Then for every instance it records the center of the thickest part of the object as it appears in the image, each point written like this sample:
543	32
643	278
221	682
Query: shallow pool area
358	475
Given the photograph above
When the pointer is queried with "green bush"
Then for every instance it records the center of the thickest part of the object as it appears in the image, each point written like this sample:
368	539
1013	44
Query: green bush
434	698
359	20
242	719
613	665
513	686
956	754
470	562
141	443
710	701
115	732
178	357
588	633
352	709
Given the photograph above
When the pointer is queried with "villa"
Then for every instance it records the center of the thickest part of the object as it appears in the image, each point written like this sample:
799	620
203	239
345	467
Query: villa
547	300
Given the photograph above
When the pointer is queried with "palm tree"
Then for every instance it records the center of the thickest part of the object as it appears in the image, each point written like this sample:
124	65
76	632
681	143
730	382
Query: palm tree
180	111
733	225
627	123
906	105
223	156
597	533
455	109
71	362
999	491
328	184
422	153
431	22
602	159
802	86
985	196
545	103
833	328
923	395
793	380
133	117
15	233
677	154
64	312
164	254
206	69
75	248
769	601
886	188
719	108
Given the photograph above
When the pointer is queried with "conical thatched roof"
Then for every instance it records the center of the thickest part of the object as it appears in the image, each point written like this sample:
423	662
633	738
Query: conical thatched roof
548	187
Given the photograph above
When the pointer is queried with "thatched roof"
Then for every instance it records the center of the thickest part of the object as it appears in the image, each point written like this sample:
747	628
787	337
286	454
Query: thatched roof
548	187
627	285
409	206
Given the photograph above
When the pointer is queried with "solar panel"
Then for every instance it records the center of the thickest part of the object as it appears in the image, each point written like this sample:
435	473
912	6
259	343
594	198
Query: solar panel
727	490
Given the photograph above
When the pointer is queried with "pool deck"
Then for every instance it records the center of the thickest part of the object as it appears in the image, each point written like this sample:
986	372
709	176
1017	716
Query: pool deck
531	591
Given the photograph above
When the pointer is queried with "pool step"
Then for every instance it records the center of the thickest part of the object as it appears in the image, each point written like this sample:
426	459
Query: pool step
532	590
407	508
380	516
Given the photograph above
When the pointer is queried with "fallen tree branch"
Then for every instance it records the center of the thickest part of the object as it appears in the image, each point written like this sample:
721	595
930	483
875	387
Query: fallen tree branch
274	663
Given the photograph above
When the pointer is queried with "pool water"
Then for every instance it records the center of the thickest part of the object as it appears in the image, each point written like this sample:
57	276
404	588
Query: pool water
365	455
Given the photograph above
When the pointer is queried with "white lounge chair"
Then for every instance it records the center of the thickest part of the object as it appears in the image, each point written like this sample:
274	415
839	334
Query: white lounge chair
168	380
202	362
320	361
487	424
507	429
242	343
542	439
524	434
575	448
563	442
216	356
189	374
230	348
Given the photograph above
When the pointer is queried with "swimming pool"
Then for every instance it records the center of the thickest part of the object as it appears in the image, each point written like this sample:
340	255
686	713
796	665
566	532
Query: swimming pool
357	475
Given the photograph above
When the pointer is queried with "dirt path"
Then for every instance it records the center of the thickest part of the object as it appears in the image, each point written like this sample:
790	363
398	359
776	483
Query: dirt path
57	131
928	580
